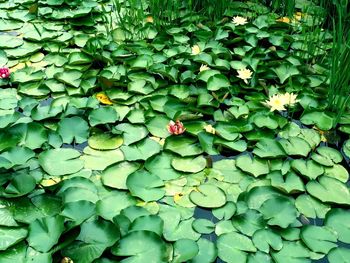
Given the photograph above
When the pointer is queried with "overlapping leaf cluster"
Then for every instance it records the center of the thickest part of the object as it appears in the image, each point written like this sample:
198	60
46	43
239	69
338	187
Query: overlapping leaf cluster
90	172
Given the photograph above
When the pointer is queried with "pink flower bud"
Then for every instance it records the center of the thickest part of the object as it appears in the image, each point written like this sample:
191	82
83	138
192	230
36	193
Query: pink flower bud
4	73
176	128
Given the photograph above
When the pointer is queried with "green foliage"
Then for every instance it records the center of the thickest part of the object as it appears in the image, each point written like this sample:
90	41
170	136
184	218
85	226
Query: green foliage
90	171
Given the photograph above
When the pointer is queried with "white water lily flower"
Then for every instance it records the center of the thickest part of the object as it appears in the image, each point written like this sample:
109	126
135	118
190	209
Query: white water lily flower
196	50
244	74
290	99
239	21
203	68
276	102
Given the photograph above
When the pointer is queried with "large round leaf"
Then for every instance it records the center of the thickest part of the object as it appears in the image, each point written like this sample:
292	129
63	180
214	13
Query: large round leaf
103	115
10	236
140	247
99	232
132	133
207	252
183	146
105	141
145	185
233	247
253	166
141	150
339	220
115	176
74	128
184	250
209	196
45	232
319	239
189	164
58	162
161	166
330	190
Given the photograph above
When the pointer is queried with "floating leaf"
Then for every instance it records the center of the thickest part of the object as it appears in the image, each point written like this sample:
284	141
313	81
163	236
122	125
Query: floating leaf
318	239
189	164
252	166
140	246
330	190
58	162
233	247
145	185
141	150
209	196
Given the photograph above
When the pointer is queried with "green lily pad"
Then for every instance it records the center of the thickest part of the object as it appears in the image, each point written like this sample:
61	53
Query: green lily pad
183	146
140	246
209	196
74	128
115	176
103	115
263	239
145	185
45	232
71	77
309	168
321	119
141	150
100	160
184	250
233	247
338	220
253	166
330	190
189	164
132	133
318	239
105	141
59	162
11	236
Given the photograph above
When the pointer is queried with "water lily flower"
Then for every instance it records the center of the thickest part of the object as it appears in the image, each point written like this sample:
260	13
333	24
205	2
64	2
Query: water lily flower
239	21
290	99
196	50
203	68
276	102
149	19
4	73
209	129
244	74
176	128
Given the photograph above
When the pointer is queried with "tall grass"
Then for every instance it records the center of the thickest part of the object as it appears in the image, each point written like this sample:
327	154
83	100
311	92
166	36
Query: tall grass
283	7
339	76
165	12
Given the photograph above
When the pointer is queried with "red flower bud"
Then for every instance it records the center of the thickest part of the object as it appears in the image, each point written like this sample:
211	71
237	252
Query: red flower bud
4	73
176	128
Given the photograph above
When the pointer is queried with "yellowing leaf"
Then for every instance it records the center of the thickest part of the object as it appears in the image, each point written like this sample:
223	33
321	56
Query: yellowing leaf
103	98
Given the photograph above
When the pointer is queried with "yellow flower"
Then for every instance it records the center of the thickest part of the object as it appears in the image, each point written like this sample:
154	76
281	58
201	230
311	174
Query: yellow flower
276	102
210	129
149	19
238	20
244	74
103	98
290	99
196	50
203	68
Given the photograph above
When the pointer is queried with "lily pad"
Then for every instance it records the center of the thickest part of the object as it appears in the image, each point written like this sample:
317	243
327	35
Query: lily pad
209	196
